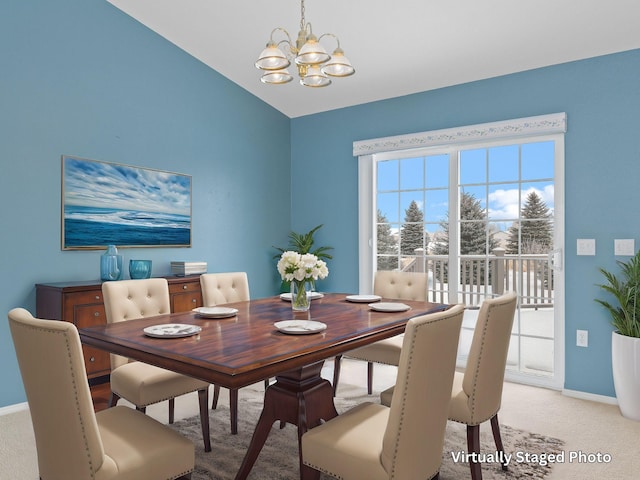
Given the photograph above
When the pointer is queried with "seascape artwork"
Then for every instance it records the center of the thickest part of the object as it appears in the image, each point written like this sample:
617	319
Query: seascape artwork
112	204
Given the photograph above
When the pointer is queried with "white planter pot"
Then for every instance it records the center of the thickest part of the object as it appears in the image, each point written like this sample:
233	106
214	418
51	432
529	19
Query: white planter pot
625	360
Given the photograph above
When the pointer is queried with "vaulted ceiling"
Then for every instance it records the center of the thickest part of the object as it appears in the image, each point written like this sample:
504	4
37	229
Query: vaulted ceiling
398	47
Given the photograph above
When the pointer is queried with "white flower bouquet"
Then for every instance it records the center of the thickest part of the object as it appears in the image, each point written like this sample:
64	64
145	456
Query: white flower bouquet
299	269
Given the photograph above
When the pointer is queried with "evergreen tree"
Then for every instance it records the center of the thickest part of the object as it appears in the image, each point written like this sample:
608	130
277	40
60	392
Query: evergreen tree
413	234
473	236
535	229
473	229
387	245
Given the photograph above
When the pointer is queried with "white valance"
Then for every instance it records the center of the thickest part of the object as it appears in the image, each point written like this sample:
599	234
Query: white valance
530	126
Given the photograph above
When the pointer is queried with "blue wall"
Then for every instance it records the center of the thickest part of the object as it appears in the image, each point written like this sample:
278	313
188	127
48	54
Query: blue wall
79	77
602	169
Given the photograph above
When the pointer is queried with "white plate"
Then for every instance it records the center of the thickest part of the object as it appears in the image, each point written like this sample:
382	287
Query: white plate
313	295
363	298
216	312
389	307
300	327
172	330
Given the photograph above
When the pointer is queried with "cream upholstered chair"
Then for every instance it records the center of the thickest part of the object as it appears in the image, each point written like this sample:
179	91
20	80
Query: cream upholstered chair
220	288
387	284
477	393
72	441
226	287
138	382
404	441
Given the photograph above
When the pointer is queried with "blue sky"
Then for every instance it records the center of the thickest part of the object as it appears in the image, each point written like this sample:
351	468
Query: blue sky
500	177
99	184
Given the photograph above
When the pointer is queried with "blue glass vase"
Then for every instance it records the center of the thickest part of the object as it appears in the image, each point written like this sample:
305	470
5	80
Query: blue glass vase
111	264
139	269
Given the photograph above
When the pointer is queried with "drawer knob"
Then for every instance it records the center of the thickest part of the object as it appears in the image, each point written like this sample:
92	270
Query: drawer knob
184	287
92	359
97	297
193	300
96	314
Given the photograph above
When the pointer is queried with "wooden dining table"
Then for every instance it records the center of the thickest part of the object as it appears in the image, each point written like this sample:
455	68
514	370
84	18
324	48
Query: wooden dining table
246	348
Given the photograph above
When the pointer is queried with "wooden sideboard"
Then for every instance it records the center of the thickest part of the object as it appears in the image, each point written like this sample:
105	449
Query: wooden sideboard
81	303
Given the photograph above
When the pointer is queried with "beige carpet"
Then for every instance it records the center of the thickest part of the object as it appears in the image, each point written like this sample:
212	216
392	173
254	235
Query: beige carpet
278	459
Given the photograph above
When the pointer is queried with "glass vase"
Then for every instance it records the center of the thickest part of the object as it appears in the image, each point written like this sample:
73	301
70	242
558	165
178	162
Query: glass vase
111	264
300	298
139	269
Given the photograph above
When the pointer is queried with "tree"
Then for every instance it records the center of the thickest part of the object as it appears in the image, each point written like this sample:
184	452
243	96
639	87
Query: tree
473	229
476	238
413	234
534	230
387	245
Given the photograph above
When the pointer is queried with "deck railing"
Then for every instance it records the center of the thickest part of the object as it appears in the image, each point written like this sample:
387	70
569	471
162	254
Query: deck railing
530	275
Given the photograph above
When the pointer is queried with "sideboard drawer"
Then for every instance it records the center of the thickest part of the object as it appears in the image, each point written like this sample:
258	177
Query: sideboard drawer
184	286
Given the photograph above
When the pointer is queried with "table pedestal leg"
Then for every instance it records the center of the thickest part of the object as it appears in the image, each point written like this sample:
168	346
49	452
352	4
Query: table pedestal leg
300	397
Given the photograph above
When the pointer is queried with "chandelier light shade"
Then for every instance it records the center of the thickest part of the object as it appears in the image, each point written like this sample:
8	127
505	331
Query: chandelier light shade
315	66
276	77
272	58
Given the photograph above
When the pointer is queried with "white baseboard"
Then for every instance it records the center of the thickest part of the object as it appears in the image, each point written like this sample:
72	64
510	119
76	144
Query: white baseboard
590	396
18	407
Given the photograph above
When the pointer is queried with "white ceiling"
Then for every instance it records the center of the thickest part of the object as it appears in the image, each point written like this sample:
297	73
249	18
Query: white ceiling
398	47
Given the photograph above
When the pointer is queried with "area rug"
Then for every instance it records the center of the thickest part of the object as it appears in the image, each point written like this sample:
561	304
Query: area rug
278	459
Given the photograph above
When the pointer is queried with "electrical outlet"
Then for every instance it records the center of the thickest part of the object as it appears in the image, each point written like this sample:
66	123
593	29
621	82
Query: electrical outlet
582	338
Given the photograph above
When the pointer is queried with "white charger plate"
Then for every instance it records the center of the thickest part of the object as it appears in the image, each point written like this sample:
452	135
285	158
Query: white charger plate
389	307
287	296
363	298
172	330
216	312
300	327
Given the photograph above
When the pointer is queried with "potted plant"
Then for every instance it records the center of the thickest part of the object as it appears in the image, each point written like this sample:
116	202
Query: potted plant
625	342
303	243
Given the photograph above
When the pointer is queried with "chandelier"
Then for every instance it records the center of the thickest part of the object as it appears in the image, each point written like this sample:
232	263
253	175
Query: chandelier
314	64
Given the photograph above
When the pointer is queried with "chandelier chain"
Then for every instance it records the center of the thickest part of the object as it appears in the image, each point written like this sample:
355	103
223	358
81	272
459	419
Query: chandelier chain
302	21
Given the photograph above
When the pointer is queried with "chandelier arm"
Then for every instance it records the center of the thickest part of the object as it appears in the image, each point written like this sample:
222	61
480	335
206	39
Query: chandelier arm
330	35
280	29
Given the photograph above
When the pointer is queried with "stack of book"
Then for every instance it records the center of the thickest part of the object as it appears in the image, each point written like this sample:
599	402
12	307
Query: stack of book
182	269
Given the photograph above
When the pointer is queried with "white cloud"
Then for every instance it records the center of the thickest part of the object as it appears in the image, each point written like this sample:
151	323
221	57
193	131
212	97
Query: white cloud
504	204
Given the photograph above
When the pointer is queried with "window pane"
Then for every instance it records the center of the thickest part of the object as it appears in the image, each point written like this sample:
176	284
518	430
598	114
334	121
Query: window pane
436	205
503	164
537	160
388	175
388	206
473	166
504	202
411	173
437	171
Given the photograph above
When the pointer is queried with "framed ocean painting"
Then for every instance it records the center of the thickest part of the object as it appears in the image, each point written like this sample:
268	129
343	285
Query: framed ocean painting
112	204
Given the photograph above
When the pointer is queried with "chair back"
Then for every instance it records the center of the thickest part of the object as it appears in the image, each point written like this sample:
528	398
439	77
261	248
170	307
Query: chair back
414	436
131	299
53	373
484	373
400	285
220	288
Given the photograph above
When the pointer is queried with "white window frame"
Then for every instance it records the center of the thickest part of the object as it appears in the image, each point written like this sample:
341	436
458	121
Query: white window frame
369	152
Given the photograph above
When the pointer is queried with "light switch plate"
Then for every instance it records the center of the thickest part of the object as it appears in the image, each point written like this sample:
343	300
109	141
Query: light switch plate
586	246
624	247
